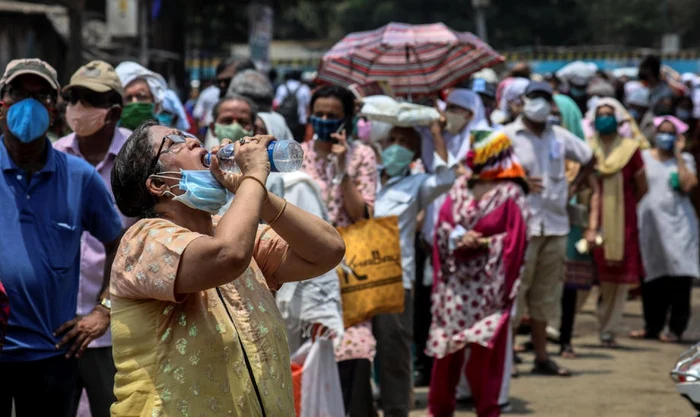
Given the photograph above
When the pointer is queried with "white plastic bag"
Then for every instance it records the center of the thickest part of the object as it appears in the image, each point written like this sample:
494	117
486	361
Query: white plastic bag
386	109
321	395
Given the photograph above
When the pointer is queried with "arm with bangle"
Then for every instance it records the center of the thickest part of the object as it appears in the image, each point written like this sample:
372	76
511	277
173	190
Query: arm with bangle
315	246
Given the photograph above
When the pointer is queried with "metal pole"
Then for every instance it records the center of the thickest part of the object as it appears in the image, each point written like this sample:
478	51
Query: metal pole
480	7
143	32
481	23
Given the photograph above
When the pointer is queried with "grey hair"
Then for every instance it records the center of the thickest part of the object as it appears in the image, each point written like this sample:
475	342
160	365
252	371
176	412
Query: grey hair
235	97
254	85
130	172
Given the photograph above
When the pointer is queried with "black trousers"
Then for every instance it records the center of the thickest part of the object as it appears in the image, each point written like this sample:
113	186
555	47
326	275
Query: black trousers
39	388
661	296
568	315
394	333
96	374
355	377
423	363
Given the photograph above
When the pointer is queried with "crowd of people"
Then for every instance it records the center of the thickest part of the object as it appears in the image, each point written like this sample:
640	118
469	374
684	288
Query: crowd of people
136	278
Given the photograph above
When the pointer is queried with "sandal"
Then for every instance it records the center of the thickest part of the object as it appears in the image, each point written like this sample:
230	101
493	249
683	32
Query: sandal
567	352
642	335
549	368
670	338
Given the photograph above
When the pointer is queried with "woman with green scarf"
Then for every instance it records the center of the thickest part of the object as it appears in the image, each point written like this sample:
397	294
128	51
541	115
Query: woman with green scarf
623	183
582	214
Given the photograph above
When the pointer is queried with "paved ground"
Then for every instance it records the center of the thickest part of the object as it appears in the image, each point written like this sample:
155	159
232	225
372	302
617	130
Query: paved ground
632	381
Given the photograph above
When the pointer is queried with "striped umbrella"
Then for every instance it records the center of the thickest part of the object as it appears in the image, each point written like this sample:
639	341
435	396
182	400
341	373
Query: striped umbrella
414	59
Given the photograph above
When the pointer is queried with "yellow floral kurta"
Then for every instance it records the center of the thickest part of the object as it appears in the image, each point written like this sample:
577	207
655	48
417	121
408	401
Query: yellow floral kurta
186	356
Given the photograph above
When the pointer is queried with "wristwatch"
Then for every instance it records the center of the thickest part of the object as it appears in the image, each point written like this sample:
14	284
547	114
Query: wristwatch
106	303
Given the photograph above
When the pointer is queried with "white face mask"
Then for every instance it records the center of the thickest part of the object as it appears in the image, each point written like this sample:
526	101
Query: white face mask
537	109
455	122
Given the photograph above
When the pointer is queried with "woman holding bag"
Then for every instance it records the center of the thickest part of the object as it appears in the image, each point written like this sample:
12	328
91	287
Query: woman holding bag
480	243
346	173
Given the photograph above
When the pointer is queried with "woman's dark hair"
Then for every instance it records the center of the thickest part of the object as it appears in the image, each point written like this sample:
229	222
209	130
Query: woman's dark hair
518	181
341	93
130	172
652	64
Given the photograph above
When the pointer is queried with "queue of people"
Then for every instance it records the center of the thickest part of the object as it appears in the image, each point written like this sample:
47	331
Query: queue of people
161	285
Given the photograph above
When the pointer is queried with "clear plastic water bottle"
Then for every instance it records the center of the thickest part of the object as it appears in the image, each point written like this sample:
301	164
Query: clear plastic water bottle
284	155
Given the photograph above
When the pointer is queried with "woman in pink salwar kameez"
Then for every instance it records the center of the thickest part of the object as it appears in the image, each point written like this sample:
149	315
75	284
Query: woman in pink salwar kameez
480	244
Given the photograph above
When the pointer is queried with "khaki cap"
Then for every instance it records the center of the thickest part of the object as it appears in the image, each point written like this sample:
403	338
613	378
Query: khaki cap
97	76
34	66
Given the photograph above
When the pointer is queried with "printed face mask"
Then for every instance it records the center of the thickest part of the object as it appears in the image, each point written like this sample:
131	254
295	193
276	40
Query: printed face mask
325	127
201	190
28	120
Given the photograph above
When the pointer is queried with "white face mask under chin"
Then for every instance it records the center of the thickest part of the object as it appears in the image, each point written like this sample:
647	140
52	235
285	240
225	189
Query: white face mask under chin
537	109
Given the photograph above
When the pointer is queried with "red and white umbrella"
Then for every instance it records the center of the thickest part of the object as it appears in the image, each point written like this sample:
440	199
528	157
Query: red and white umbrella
414	59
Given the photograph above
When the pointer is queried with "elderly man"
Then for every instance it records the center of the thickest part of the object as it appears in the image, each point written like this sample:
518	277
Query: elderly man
144	92
542	150
94	98
257	87
49	198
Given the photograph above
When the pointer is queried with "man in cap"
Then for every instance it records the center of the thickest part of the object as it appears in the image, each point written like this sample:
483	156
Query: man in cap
637	102
49	198
542	150
94	107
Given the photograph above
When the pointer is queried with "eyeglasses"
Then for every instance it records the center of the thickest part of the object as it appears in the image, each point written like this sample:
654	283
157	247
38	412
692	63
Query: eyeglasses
174	138
18	94
90	97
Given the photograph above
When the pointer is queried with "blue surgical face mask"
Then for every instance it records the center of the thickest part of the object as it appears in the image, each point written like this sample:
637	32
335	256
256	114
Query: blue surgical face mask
325	127
665	141
396	160
202	191
166	119
28	120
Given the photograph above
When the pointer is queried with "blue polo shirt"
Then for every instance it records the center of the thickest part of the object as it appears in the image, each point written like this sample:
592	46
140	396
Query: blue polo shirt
42	218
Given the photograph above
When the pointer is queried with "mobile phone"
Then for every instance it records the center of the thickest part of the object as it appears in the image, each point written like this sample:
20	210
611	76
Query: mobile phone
340	129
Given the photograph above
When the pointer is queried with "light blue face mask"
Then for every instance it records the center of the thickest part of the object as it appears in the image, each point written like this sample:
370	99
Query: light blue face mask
166	119
396	160
202	191
28	120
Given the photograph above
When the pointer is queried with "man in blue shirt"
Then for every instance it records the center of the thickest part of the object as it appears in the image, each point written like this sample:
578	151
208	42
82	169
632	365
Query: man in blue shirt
403	194
49	199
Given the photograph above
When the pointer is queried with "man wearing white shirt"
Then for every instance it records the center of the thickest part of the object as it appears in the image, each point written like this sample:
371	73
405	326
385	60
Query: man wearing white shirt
542	150
402	194
293	85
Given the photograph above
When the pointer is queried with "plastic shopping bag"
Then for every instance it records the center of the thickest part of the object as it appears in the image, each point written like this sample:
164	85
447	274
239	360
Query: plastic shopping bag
317	391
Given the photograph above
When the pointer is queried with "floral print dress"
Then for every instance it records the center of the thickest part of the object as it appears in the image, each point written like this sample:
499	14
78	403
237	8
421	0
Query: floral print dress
219	352
361	163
